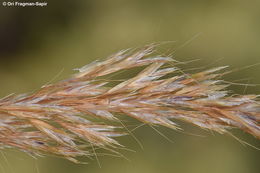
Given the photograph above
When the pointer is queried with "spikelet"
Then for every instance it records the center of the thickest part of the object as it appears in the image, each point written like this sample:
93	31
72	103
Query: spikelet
70	117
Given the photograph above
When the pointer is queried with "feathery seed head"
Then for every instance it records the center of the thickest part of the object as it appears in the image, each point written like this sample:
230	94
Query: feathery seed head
70	117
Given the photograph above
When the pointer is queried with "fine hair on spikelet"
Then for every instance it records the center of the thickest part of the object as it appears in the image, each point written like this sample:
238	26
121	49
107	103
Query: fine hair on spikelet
73	117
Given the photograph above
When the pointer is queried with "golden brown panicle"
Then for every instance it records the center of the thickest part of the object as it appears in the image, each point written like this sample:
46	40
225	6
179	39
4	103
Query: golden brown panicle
73	117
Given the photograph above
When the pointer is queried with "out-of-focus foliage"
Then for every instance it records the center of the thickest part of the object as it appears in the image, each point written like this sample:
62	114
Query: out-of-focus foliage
37	44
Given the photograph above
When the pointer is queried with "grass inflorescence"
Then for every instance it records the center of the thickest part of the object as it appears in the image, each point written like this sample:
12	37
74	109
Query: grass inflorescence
74	117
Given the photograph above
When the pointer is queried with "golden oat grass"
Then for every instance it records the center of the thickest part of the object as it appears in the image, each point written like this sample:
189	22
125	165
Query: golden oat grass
73	117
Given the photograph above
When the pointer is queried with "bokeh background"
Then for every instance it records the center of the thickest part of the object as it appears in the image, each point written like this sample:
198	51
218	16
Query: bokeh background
36	44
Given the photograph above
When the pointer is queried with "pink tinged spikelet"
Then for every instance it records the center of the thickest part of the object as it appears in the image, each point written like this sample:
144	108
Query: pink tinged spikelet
73	117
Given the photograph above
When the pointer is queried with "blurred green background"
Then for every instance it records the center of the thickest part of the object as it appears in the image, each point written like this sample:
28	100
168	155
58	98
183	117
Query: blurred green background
38	43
